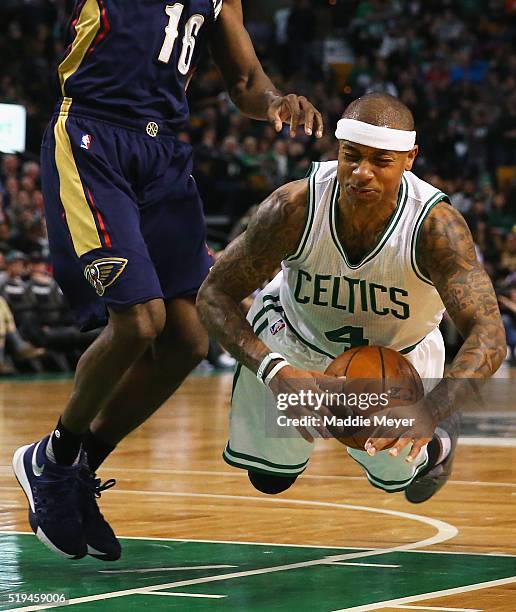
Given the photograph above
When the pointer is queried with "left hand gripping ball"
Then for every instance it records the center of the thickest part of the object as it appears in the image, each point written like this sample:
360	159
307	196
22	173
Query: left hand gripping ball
374	372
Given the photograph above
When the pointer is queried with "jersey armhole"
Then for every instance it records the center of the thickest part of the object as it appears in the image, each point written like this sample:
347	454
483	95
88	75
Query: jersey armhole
427	209
309	214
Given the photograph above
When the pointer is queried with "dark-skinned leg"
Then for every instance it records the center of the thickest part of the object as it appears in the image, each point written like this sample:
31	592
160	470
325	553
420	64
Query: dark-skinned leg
127	336
58	489
152	379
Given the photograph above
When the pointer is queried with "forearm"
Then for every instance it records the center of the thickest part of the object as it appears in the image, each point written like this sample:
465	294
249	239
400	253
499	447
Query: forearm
480	356
226	323
249	87
253	94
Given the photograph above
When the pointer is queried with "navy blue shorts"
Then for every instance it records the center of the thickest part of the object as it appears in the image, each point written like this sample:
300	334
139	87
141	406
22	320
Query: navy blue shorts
125	220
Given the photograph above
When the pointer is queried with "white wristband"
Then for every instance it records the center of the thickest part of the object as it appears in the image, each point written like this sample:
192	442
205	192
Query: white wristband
279	366
265	364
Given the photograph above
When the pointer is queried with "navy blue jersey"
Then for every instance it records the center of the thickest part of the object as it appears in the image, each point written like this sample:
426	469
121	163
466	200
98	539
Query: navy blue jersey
132	59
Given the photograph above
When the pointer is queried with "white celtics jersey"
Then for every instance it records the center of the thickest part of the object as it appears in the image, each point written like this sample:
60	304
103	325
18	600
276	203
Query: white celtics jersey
332	304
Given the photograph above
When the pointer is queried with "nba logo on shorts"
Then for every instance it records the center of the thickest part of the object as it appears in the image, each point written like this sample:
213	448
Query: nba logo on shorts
277	326
86	141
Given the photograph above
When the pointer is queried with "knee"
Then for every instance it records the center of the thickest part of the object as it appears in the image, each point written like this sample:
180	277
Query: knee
187	344
195	348
270	483
140	324
186	353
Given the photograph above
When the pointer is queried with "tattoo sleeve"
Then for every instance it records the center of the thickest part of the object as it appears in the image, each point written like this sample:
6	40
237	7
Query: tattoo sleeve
447	255
245	265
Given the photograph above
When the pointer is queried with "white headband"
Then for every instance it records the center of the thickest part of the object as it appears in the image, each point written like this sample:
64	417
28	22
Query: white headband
375	136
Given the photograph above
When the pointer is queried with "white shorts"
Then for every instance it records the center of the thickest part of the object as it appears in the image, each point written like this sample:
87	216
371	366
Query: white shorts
253	405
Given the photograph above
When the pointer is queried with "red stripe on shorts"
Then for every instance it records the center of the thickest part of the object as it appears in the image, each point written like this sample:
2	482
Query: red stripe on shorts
100	220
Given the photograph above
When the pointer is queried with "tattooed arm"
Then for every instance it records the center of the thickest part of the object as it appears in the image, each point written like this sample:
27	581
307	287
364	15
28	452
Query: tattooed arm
447	256
272	234
249	261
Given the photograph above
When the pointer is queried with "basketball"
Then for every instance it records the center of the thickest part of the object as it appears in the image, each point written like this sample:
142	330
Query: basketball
378	371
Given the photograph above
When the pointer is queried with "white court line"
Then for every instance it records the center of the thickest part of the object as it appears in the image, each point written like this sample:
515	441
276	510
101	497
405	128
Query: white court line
407	607
242	474
166	569
318	546
362	564
189	595
445	532
431	595
500	442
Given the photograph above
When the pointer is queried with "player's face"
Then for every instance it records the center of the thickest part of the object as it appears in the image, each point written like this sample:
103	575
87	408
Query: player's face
371	176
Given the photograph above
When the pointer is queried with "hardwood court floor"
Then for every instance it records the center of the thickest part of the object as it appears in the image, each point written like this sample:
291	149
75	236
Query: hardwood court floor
204	539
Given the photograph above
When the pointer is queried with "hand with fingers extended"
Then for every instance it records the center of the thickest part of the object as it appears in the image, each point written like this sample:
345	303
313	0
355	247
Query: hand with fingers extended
301	396
295	110
401	426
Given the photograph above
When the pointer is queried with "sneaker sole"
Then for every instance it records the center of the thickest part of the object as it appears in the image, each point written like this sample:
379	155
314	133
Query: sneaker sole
21	477
102	556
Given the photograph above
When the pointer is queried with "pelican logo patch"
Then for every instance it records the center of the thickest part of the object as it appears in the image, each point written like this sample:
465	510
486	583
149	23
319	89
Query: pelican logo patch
103	272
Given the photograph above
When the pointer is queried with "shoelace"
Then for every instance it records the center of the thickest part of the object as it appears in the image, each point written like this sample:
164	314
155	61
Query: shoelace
100	487
55	495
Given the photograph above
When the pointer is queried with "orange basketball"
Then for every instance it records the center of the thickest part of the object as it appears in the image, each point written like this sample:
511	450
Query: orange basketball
376	371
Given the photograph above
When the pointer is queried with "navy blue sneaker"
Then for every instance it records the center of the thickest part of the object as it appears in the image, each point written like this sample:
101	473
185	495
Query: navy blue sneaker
100	538
54	493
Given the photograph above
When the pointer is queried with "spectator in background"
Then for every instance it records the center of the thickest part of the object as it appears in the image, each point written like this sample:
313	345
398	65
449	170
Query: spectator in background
4	235
14	289
453	63
301	31
507	302
500	218
508	255
477	221
228	181
256	183
51	323
9	335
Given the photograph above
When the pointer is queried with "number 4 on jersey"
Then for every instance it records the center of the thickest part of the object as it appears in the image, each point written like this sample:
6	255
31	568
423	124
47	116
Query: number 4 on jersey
192	27
349	336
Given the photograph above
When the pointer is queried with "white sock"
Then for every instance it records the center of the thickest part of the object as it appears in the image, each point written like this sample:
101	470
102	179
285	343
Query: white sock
444	443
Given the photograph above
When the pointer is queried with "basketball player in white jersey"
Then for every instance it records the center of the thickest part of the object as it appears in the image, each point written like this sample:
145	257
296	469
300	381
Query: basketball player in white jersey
369	254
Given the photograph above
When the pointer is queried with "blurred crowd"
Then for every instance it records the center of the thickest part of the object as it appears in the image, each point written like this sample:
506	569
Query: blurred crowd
453	62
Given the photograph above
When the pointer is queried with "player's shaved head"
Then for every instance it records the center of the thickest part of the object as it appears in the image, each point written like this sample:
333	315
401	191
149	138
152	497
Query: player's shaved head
381	109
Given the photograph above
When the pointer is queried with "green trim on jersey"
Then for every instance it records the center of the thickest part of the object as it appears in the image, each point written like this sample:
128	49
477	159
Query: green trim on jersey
304	341
411	347
266	308
310	213
254	468
236	376
257	330
379	483
242	460
393	222
427	208
261	327
276	307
